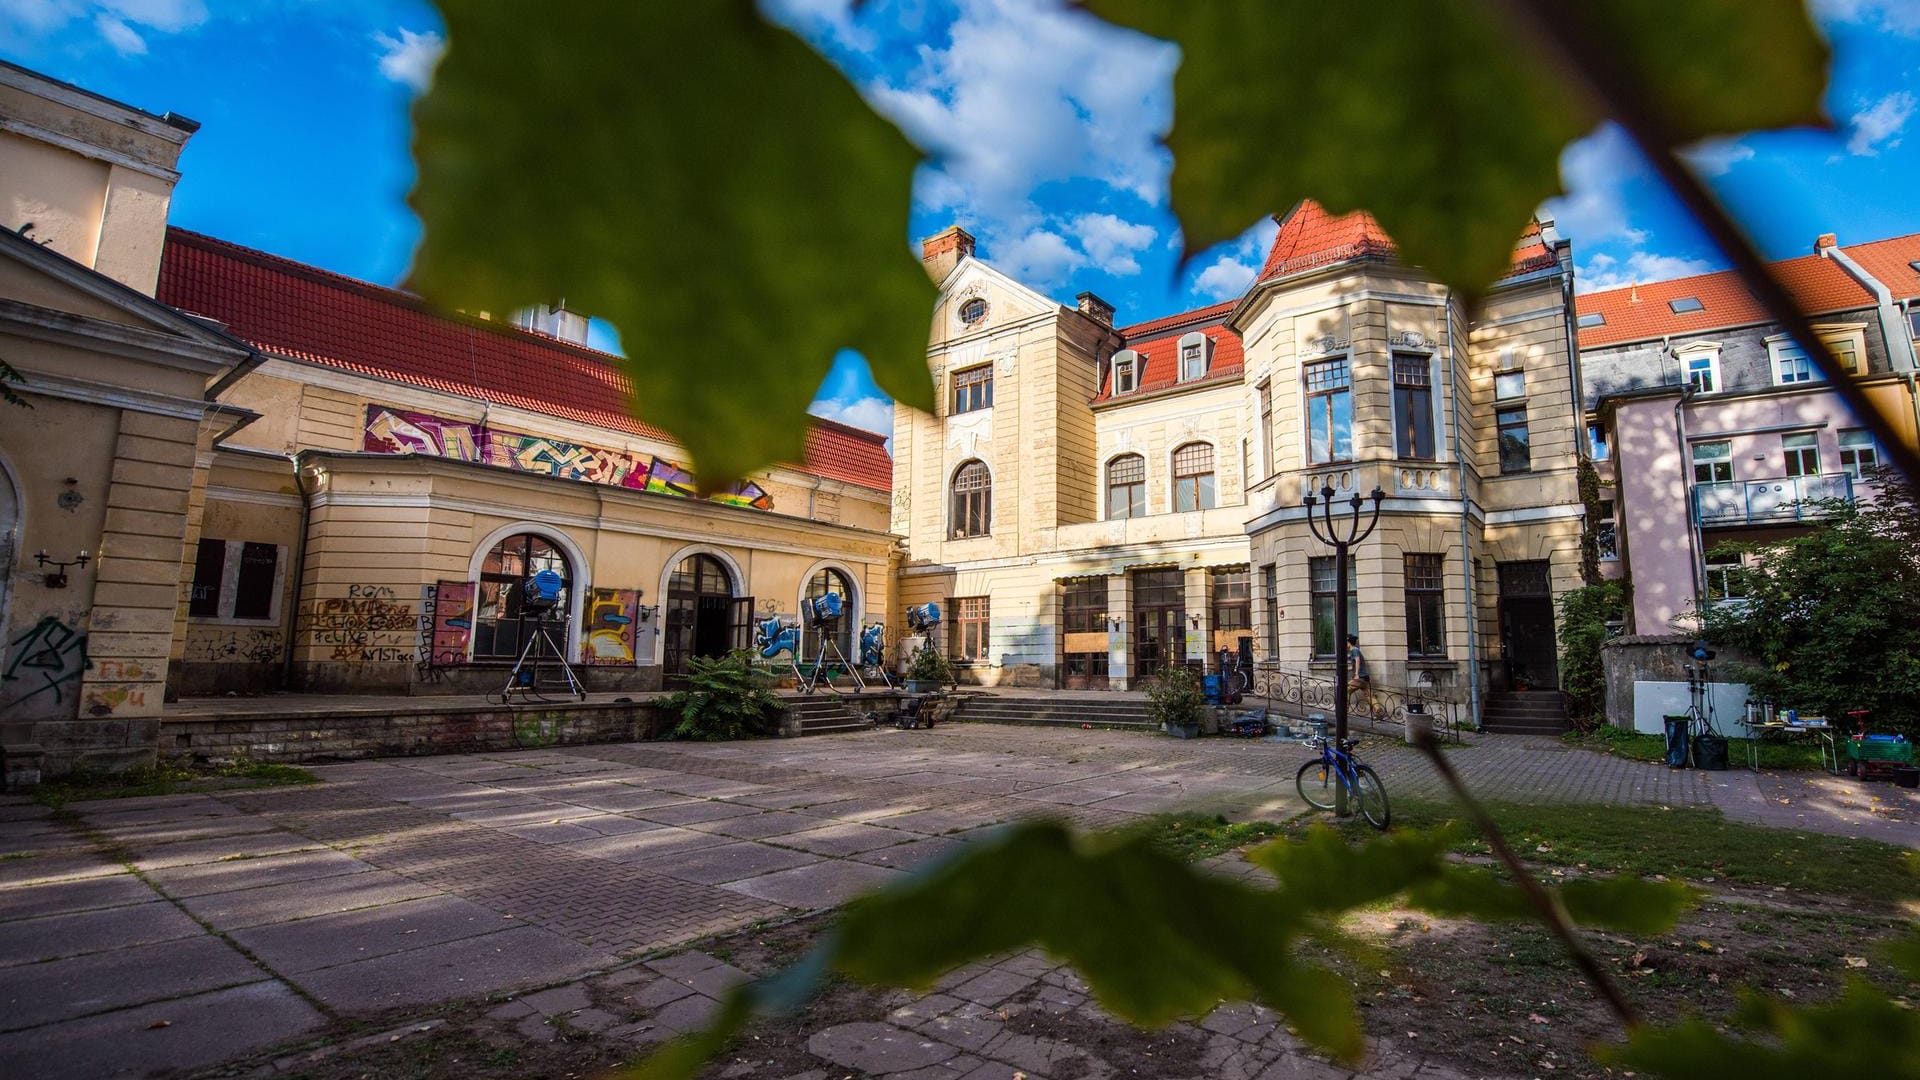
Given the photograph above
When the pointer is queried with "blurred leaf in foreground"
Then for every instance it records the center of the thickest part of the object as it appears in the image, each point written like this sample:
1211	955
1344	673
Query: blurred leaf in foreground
1155	938
1445	120
1862	1033
697	176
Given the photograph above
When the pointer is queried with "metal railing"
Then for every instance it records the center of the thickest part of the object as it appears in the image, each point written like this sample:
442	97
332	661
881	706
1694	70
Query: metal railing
1300	694
1759	502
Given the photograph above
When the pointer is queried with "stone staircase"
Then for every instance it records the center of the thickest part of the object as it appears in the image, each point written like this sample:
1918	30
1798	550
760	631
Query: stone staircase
822	713
1055	711
1525	712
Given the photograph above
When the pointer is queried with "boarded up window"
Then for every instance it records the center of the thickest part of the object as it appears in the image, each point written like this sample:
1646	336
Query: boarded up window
209	568
253	590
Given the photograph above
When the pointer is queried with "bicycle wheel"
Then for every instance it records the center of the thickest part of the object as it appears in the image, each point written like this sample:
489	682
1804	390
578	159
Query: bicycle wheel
1317	782
1373	797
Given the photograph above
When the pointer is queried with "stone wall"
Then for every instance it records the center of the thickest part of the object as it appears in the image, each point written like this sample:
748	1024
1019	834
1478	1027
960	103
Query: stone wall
273	735
1662	659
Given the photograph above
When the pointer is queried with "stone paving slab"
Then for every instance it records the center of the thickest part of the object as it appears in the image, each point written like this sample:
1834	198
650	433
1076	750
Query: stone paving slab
30	941
242	908
329	940
98	982
729	862
37	867
228	875
219	849
821	885
468	967
186	1033
81	894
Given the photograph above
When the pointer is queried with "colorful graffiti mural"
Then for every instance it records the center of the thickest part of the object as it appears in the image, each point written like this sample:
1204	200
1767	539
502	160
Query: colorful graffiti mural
613	620
398	431
451	623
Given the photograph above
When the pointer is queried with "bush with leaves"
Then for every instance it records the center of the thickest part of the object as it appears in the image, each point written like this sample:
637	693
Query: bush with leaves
725	698
1174	698
1832	617
930	665
1584	614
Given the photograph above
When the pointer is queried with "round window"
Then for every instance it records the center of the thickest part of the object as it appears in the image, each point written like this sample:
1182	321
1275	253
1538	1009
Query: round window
973	311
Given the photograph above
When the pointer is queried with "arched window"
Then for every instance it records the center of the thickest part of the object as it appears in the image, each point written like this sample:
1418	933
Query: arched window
700	616
1193	477
972	501
1127	487
501	626
819	585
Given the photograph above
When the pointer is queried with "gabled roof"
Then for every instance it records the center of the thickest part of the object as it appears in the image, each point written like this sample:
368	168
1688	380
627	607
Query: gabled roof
1309	238
305	313
1643	312
1891	261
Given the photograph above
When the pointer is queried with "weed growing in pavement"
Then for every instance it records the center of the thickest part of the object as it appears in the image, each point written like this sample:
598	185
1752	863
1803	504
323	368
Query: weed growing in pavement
168	779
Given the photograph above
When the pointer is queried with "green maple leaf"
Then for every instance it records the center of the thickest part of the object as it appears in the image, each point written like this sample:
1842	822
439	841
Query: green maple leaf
1444	118
700	178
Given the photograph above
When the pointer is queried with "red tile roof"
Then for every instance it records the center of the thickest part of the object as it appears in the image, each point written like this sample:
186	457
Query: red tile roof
1891	261
305	313
1641	312
1158	343
1309	237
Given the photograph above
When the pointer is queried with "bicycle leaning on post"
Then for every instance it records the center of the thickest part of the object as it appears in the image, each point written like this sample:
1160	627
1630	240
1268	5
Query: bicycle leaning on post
1321	778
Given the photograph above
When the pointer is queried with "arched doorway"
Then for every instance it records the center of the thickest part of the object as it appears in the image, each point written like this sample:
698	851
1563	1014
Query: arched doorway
704	617
501	627
836	581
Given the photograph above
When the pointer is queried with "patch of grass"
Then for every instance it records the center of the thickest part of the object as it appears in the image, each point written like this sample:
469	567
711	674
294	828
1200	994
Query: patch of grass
1635	746
1694	844
167	779
1193	837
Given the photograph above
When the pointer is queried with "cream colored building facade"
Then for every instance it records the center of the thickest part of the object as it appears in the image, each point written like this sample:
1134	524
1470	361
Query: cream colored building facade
1101	559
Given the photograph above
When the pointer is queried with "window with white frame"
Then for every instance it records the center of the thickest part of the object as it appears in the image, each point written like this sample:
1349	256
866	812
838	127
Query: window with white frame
1508	385
1193	361
1329	385
1726	577
1266	428
1413	406
1713	463
1127	487
1858	452
1193	477
1802	453
1124	371
1700	365
1606	531
1597	447
1791	364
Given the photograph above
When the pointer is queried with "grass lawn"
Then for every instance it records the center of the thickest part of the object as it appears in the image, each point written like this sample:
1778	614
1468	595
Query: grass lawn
1608	739
1193	837
167	779
1697	845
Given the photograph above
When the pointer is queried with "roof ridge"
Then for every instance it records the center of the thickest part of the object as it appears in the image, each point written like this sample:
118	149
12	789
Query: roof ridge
1179	318
828	421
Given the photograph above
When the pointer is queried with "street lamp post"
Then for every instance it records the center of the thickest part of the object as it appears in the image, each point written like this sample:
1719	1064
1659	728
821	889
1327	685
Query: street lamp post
1328	533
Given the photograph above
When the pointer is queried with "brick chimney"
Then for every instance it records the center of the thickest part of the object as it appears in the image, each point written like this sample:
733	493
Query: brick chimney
1825	241
1095	308
942	251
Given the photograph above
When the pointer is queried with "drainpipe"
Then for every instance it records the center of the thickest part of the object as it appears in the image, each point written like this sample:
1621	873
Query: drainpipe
1694	540
299	574
1899	345
1466	552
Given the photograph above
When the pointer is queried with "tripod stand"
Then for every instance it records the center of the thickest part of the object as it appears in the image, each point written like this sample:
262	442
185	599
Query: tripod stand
829	650
524	679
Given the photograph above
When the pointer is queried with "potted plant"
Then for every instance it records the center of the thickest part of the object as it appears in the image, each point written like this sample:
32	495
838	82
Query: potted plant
929	671
1175	701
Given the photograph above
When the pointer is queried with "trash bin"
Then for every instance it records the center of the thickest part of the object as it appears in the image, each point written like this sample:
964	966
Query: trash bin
1213	686
1676	741
1710	751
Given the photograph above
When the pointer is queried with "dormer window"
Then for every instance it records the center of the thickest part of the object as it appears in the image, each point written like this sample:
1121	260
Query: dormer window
1701	367
1193	356
1125	371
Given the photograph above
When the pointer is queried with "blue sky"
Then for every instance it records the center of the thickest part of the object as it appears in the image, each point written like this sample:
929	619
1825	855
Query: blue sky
1041	125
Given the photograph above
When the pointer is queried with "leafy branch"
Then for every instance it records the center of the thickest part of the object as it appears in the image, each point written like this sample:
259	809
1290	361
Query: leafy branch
9	375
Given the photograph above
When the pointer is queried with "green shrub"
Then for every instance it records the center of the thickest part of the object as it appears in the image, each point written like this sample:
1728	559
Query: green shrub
725	698
1584	614
1175	698
930	665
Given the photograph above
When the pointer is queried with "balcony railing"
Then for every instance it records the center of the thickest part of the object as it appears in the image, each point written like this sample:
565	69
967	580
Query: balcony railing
1781	500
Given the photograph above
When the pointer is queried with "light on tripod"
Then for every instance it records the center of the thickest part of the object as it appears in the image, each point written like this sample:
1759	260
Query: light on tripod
543	593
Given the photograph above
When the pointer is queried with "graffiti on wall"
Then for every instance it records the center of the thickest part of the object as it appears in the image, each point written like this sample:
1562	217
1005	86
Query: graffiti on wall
234	645
369	625
613	620
446	622
44	660
399	431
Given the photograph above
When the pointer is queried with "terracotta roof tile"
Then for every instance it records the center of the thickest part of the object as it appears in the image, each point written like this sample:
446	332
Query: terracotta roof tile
1892	262
1159	345
303	312
1641	312
1309	237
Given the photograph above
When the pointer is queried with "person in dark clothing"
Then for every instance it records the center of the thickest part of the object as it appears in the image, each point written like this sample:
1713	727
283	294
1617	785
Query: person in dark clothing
1359	682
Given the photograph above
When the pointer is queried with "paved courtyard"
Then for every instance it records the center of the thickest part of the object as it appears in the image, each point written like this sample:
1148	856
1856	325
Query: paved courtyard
179	932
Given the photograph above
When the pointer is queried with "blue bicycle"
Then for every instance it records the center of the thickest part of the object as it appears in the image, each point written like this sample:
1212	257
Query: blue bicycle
1337	765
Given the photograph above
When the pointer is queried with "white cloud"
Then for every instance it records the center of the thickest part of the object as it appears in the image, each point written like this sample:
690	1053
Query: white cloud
1717	157
867	413
1894	16
1111	243
1879	125
1606	272
125	39
1595	172
410	57
1229	274
166	16
1039	257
